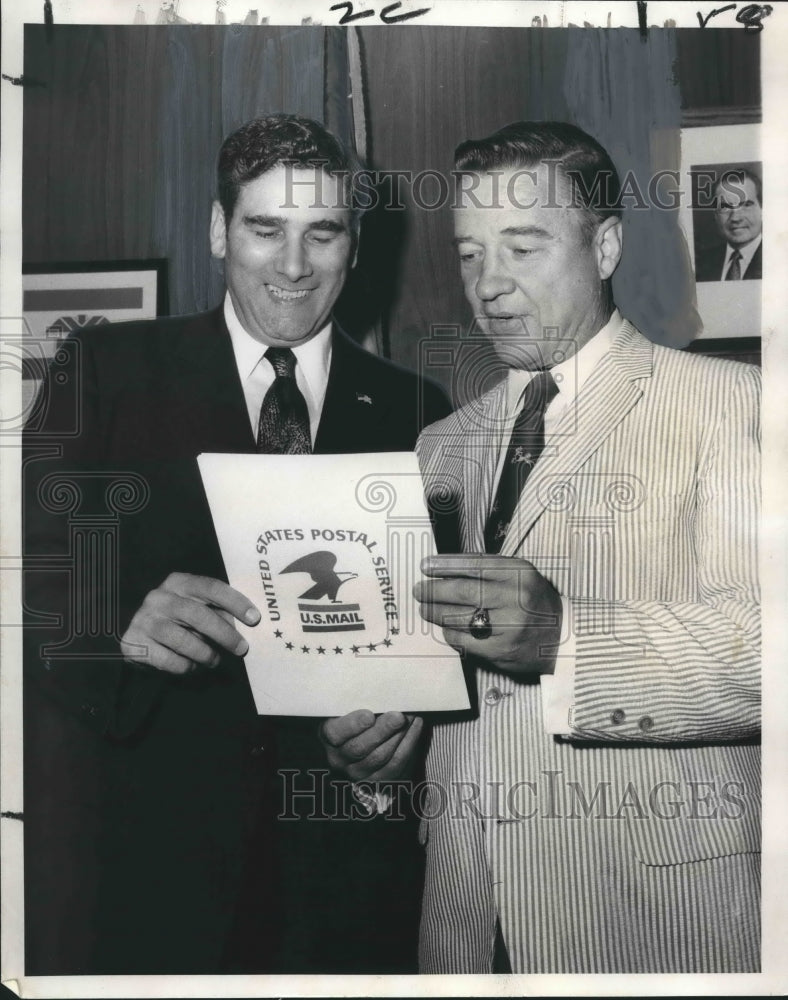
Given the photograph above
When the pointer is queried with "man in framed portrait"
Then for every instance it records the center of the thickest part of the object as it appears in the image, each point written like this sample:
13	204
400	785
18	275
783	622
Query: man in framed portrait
738	207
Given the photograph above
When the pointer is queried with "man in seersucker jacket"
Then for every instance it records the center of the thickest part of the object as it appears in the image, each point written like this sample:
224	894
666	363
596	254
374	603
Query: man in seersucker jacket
598	811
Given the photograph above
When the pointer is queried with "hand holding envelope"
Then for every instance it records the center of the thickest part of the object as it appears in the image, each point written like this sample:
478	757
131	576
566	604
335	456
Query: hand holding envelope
186	623
332	576
525	614
523	608
371	748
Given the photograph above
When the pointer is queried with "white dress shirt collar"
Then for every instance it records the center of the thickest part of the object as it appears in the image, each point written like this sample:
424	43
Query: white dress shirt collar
569	375
314	357
314	363
747	253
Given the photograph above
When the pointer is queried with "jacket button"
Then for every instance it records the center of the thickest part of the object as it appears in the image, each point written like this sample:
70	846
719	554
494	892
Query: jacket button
493	696
618	716
258	751
89	709
47	664
646	724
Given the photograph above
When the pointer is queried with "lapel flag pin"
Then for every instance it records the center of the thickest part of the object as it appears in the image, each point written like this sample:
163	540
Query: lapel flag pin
362	398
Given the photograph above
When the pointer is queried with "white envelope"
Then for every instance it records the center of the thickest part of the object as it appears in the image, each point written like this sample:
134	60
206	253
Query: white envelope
328	547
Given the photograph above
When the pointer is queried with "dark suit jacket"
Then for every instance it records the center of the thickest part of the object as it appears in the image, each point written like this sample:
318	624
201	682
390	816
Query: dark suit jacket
709	261
151	839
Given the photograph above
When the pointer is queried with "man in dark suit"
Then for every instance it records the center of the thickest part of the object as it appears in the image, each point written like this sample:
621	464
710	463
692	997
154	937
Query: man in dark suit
738	205
151	785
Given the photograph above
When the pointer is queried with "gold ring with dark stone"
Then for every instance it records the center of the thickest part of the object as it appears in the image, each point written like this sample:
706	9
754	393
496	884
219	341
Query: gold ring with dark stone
480	627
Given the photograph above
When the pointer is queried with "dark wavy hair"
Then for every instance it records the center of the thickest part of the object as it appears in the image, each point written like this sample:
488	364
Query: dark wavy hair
593	179
732	179
292	140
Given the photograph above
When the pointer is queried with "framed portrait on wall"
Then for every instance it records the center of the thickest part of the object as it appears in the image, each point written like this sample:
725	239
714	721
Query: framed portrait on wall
721	218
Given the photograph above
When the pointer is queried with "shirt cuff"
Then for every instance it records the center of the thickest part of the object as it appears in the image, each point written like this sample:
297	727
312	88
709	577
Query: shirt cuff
558	688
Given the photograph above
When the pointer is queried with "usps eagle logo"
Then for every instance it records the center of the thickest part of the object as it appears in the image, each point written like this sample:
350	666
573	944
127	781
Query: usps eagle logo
319	607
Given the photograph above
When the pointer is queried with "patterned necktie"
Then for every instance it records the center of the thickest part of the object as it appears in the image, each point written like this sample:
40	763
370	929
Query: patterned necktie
734	268
284	419
525	447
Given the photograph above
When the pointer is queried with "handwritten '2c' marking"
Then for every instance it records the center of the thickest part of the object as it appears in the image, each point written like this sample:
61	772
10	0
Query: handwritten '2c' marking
349	16
387	15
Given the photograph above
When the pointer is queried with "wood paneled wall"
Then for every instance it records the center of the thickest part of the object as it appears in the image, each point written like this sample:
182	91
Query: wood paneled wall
121	138
120	141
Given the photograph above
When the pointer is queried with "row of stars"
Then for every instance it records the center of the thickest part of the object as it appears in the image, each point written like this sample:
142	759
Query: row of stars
372	646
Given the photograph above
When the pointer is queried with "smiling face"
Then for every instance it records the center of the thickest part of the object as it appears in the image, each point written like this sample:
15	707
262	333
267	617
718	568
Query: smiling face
738	212
528	267
287	250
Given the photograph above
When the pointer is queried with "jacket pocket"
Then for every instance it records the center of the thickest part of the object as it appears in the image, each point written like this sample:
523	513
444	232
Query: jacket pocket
710	809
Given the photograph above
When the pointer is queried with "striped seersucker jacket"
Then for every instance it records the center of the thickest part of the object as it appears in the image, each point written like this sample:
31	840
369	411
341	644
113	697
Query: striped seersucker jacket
632	845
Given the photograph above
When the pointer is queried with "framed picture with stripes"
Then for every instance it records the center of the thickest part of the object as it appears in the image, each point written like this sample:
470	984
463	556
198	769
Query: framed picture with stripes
61	298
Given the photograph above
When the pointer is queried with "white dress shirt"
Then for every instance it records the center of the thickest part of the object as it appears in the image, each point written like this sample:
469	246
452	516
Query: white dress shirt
257	374
569	376
747	253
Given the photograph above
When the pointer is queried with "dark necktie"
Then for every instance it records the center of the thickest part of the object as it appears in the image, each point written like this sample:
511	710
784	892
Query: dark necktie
734	268
284	419
525	447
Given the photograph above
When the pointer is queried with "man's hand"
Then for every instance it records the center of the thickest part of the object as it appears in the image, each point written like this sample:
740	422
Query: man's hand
524	608
367	747
186	623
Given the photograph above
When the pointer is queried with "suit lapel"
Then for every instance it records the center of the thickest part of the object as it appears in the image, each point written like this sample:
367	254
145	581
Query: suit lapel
755	267
482	429
208	400
350	409
208	386
609	394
